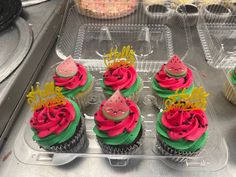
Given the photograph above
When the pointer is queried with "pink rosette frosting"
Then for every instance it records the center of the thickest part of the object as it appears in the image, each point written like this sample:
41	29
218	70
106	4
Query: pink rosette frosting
113	128
120	78
75	81
173	83
189	125
54	120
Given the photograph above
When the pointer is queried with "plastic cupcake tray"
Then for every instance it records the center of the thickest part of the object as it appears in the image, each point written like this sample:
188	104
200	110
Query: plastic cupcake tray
213	157
218	36
88	38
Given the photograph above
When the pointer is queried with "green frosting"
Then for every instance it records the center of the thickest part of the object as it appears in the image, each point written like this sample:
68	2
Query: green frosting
233	76
74	92
63	136
122	139
181	145
165	93
125	92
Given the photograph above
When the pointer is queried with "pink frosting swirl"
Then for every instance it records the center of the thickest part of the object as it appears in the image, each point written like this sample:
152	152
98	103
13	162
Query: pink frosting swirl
173	83
120	78
113	128
78	80
54	120
190	125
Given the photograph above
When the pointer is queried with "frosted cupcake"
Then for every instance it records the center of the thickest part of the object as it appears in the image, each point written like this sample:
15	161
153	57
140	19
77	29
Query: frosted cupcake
76	82
104	9
182	129
173	76
57	123
118	125
121	74
230	86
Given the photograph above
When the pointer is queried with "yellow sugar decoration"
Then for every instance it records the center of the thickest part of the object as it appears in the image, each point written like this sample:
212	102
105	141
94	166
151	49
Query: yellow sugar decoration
48	97
197	100
116	59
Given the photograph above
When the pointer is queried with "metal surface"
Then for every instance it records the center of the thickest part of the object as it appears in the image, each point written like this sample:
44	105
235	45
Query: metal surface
15	43
26	3
45	20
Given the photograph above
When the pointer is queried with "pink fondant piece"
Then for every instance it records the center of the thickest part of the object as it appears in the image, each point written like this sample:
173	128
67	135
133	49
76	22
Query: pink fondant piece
120	78
67	68
189	125
78	80
113	128
116	106
172	83
175	66
54	120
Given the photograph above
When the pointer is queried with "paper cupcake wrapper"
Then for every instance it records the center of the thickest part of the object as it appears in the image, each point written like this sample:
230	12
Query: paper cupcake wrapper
75	144
166	150
82	99
122	150
229	92
134	97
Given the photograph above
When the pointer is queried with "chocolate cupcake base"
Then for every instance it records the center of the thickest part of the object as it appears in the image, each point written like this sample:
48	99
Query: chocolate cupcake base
75	143
166	150
123	149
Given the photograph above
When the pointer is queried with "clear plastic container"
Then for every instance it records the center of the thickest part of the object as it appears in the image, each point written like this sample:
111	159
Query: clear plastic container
216	27
151	37
155	40
213	157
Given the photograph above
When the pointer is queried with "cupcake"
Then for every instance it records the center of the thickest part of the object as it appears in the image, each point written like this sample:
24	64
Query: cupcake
121	74
230	86
158	11
76	82
118	125
58	126
173	76
104	9
182	129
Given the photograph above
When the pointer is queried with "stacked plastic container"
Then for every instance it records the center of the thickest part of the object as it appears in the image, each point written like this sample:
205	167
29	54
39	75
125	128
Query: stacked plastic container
157	31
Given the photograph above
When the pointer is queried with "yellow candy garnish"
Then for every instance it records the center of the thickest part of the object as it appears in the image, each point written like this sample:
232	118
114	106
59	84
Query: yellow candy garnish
197	100
117	59
48	97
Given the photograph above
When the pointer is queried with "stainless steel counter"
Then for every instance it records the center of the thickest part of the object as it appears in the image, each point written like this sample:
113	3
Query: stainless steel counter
225	120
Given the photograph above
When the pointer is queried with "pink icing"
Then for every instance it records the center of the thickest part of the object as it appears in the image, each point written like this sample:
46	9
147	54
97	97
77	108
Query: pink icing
172	83
78	80
113	128
189	125
115	106
110	7
175	66
54	120
120	78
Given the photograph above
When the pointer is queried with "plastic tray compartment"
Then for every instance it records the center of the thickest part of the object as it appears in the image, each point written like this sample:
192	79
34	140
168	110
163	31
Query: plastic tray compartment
213	157
84	37
219	44
216	28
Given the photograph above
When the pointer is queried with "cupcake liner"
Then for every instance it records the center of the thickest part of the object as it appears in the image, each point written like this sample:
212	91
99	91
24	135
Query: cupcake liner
134	97
216	17
82	98
229	92
160	102
123	149
166	150
75	143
